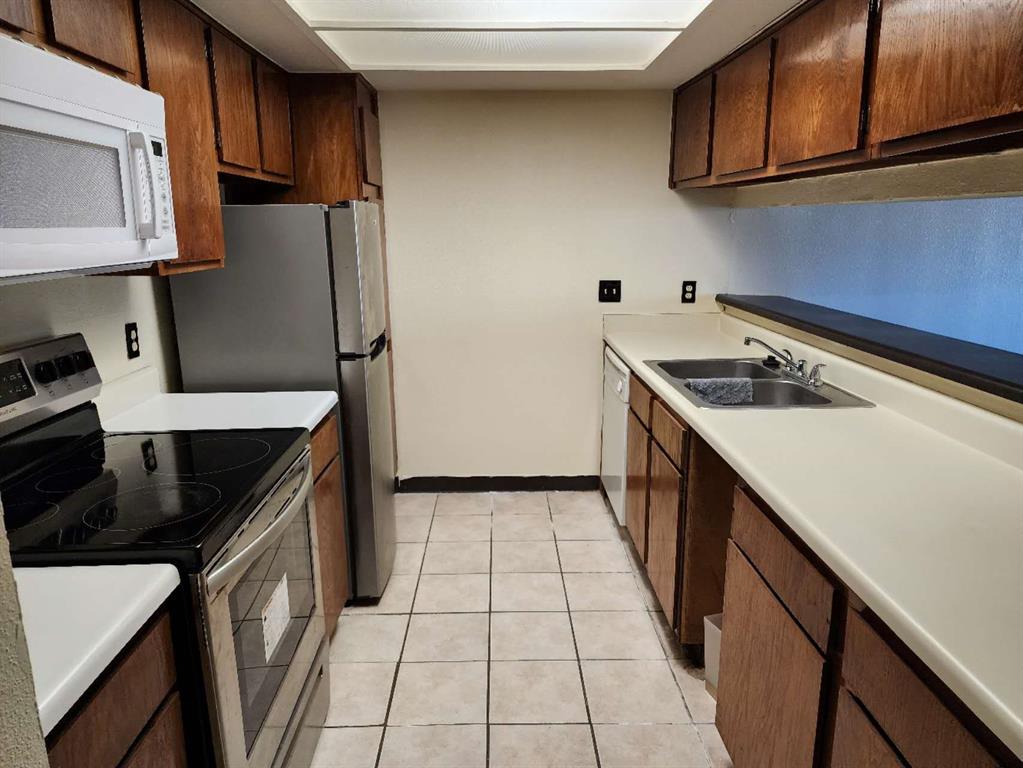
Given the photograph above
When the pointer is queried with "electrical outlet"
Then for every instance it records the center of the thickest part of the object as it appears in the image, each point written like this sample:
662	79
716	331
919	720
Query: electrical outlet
131	340
610	291
688	291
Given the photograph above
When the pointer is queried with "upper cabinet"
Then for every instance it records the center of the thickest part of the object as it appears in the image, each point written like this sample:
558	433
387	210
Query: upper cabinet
692	110
337	140
849	84
174	44
274	120
234	93
945	63
818	82
103	30
740	111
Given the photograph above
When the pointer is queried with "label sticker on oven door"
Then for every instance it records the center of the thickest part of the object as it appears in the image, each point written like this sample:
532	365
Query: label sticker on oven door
276	615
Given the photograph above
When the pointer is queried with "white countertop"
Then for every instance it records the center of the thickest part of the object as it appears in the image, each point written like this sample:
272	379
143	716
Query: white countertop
225	410
78	618
924	528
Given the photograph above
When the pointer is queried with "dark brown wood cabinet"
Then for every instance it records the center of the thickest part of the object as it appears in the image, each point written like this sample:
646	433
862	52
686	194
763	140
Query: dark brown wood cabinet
769	684
637	482
329	148
858	744
670	433
234	98
692	113
275	147
740	111
103	30
125	703
162	745
818	82
368	138
174	46
945	63
663	530
19	14
329	499
641	400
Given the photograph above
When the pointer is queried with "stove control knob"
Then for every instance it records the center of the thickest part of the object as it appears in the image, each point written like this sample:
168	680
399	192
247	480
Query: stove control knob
46	372
83	360
65	366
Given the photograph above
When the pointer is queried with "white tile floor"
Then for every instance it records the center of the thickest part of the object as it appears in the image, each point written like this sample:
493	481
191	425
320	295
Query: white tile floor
514	633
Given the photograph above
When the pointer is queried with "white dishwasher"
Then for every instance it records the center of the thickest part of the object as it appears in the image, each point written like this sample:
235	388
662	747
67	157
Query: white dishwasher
613	431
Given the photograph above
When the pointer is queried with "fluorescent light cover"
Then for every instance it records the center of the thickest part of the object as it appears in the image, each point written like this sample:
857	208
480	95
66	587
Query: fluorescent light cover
494	50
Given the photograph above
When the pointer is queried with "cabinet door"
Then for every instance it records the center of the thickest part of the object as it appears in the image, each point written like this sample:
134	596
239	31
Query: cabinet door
740	111
18	14
942	63
174	43
369	138
691	151
769	684
858	744
235	100
637	482
818	82
663	529
163	743
274	119
101	29
333	548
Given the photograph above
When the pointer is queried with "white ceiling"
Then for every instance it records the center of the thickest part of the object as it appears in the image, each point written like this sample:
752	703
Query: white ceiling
499	44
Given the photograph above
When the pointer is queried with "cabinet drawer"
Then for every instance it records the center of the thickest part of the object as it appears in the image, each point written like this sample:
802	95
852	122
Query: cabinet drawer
805	591
324	444
640	399
670	433
769	686
922	728
858	744
110	721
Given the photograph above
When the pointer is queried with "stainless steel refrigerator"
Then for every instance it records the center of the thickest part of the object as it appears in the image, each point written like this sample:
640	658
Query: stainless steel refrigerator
299	305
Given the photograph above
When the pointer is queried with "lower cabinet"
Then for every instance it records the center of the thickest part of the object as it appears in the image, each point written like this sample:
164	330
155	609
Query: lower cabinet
637	482
333	548
663	530
769	684
133	711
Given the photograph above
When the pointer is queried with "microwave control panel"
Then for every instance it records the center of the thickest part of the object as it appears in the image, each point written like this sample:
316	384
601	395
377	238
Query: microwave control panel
161	173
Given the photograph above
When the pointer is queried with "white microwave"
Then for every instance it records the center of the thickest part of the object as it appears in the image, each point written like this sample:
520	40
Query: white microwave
84	181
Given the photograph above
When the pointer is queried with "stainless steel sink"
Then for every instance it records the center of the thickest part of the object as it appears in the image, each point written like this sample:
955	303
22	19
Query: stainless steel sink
771	388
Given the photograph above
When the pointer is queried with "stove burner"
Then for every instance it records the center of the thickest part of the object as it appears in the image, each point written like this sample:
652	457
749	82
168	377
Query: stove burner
153	507
79	478
211	455
28	513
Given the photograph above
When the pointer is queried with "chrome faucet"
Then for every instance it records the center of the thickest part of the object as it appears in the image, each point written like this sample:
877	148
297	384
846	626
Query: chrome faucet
795	368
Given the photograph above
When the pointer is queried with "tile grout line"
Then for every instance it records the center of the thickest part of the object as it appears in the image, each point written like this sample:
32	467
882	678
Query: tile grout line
404	640
490	614
575	644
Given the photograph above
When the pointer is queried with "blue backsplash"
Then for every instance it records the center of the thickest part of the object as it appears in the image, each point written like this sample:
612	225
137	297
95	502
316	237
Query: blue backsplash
953	267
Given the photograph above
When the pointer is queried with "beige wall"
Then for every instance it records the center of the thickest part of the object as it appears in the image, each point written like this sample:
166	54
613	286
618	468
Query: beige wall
503	210
21	738
99	307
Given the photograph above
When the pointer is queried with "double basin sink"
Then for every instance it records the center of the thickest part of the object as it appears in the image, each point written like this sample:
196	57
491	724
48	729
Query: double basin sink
772	387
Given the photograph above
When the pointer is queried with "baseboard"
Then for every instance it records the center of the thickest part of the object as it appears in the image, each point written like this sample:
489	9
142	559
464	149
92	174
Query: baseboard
502	484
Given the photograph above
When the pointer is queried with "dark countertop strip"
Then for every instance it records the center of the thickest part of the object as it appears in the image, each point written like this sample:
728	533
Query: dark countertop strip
985	368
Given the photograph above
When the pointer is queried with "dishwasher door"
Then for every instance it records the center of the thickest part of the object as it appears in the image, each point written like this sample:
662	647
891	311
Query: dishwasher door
613	431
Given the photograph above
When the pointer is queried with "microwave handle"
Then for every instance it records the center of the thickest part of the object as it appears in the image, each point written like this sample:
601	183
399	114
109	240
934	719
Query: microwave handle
152	228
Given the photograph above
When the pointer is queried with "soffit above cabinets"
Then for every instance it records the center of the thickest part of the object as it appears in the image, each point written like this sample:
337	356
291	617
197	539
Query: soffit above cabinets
499	44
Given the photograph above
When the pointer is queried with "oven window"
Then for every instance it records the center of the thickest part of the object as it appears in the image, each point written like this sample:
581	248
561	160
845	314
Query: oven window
270	608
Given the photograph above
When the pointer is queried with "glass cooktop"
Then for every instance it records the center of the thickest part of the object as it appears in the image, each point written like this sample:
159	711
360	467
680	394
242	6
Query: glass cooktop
120	497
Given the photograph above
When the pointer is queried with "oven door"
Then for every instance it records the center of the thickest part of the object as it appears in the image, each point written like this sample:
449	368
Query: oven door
263	621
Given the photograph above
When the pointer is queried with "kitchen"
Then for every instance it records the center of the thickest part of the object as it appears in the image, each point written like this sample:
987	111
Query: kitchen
405	279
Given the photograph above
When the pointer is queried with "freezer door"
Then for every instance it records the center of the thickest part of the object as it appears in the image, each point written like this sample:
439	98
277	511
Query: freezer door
265	321
369	464
358	265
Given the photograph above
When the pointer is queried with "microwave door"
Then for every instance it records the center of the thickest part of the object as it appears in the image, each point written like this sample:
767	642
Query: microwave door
70	200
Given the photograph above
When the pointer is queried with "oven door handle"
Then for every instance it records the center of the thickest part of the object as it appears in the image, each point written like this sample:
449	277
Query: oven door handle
223	574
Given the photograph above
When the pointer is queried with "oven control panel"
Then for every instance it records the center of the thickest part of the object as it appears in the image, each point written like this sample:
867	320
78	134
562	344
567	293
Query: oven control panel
44	379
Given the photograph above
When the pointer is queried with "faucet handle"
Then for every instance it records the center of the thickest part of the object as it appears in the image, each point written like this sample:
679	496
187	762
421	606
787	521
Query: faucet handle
815	375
